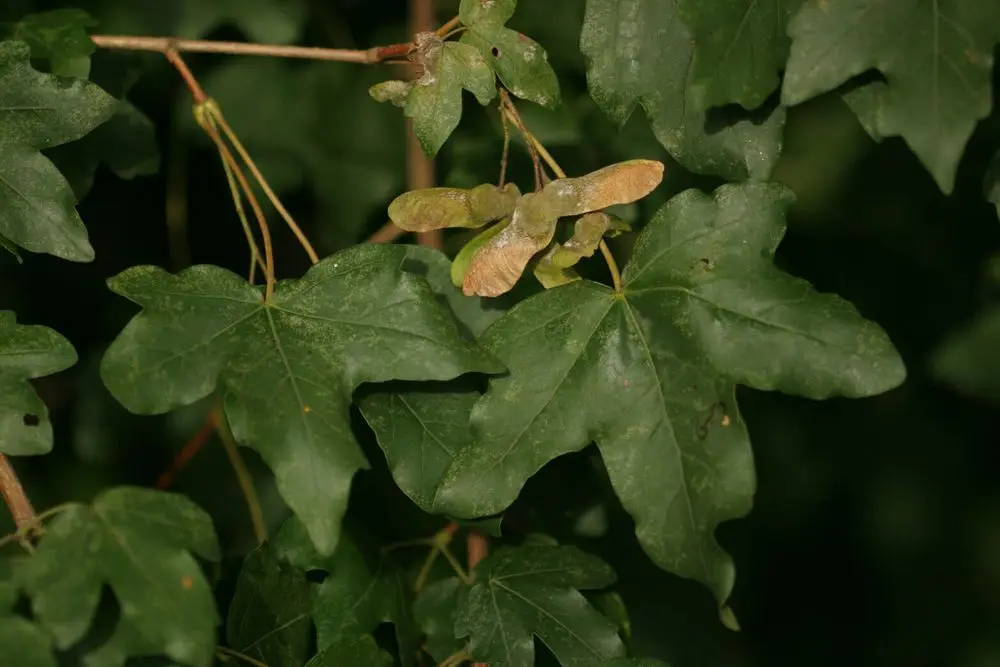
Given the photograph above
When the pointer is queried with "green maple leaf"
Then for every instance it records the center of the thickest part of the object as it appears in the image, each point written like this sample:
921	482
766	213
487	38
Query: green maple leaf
362	591
639	51
270	616
936	57
361	651
531	590
739	49
421	428
435	99
650	374
520	62
435	611
37	206
288	368
59	36
24	644
137	541
27	352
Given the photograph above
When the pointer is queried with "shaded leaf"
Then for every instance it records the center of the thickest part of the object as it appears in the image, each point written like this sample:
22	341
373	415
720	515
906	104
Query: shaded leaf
137	541
270	617
639	52
361	592
969	358
519	61
27	352
739	49
288	367
59	37
635	662
937	59
435	611
651	374
361	651
531	590
266	21
24	644
991	184
37	206
435	101
9	585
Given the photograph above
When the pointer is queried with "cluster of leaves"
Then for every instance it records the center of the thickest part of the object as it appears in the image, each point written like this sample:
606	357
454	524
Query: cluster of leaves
647	370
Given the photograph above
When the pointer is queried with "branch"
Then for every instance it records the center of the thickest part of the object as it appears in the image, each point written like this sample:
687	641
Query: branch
14	495
419	167
165	44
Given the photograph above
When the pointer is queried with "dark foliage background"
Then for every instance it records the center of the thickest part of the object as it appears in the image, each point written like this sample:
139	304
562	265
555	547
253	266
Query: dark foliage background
875	538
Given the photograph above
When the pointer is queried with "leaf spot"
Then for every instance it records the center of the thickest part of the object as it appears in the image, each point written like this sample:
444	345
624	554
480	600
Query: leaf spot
187	583
306	409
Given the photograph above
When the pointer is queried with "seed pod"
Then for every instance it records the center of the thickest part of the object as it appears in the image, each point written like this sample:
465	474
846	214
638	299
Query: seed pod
391	91
621	183
438	208
460	265
500	262
553	268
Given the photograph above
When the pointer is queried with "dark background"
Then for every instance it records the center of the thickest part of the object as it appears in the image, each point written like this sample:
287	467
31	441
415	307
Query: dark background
875	537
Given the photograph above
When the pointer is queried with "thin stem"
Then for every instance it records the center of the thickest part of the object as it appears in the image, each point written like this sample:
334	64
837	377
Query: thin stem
234	191
456	658
35	524
243	477
216	113
241	656
616	276
447	28
212	132
188	451
506	145
387	233
164	44
174	56
510	110
425	570
14	496
455	565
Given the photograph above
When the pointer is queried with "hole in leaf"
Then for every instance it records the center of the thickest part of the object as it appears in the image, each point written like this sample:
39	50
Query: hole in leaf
495	51
31	420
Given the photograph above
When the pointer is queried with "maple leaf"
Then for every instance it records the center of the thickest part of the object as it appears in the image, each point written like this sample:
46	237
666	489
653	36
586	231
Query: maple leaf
37	205
640	52
650	374
937	59
520	62
27	352
137	541
287	367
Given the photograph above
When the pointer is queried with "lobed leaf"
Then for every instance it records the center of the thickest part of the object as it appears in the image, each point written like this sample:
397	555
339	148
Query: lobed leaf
287	368
532	590
58	36
651	374
435	100
37	205
270	616
739	49
937	60
640	52
26	353
358	651
435	612
140	543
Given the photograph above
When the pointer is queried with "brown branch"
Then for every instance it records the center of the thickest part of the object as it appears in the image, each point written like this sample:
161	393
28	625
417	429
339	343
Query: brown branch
387	233
419	167
164	44
14	495
476	547
174	56
188	451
